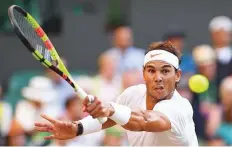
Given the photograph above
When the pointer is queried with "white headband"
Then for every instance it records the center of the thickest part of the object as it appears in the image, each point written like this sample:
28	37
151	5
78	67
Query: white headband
161	55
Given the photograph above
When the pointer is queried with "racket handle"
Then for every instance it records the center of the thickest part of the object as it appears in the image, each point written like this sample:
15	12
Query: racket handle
102	120
82	94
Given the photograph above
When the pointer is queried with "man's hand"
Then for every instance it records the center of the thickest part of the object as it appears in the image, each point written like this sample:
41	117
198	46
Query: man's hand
59	129
97	109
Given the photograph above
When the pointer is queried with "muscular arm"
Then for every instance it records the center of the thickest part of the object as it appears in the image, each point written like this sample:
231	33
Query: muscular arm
130	119
109	123
147	120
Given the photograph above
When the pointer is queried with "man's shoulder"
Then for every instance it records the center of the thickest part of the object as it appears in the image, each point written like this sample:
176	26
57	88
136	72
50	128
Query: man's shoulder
113	49
179	106
137	50
136	88
132	95
185	103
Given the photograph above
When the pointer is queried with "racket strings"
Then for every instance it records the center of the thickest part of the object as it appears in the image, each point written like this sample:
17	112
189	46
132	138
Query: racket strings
30	34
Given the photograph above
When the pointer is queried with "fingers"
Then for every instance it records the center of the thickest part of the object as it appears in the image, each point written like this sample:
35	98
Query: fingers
93	105
50	137
89	99
84	109
96	111
86	101
38	124
48	118
44	129
101	114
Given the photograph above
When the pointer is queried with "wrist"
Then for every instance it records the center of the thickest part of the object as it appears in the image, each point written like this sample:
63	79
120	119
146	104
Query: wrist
120	114
111	109
78	127
88	125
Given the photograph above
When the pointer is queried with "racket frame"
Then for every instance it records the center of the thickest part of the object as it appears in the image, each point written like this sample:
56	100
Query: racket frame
60	68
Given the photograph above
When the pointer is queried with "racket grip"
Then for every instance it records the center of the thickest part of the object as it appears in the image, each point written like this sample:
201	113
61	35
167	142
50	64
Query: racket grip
102	120
82	94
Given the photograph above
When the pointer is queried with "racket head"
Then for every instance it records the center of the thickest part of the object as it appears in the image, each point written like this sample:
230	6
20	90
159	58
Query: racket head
34	38
37	42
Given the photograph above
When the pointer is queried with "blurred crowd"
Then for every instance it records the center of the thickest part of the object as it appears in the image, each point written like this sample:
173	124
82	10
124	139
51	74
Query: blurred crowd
118	68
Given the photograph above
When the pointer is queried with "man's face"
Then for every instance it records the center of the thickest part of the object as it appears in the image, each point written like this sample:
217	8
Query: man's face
123	38
160	78
221	37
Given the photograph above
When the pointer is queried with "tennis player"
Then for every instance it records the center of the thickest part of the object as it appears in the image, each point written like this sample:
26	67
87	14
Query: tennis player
154	113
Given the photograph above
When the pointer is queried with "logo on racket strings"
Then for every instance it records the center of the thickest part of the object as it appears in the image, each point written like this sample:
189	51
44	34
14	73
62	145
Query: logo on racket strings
44	52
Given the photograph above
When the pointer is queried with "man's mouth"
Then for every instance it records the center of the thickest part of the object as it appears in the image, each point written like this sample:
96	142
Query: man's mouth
159	88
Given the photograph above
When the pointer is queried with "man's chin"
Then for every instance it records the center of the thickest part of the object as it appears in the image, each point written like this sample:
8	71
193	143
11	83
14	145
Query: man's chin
162	96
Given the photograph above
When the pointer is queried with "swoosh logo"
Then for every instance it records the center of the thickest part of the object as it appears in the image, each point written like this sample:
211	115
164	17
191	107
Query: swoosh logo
153	55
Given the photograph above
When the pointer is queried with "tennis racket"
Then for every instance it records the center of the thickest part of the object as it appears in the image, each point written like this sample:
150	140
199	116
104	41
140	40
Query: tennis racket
38	43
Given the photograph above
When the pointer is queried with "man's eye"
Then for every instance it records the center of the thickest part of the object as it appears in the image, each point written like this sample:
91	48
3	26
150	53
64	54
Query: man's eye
165	71
151	70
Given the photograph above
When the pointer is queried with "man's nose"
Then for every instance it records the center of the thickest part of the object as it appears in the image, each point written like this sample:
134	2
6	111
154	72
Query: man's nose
157	78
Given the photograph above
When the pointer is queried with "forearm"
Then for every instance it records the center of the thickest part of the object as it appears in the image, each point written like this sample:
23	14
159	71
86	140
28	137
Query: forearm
139	119
109	123
145	120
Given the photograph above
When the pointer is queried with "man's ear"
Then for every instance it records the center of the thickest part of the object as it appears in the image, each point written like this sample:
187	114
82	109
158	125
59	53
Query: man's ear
143	73
178	75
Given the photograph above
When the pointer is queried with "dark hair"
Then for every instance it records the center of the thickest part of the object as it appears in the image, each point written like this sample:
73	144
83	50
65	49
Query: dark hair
111	26
70	99
167	46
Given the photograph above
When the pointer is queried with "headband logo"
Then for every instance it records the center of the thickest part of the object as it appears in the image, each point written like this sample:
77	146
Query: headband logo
153	55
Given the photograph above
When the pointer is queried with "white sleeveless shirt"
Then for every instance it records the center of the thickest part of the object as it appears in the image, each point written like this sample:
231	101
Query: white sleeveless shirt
177	109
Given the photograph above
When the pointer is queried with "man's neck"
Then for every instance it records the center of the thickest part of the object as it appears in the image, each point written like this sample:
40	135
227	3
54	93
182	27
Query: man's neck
122	49
151	101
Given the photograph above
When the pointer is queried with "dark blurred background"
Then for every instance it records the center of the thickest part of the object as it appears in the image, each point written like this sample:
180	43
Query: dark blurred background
102	42
79	33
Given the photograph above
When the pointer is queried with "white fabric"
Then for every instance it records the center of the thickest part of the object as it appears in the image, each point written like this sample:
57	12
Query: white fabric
93	139
105	90
121	114
224	54
90	125
220	22
39	89
182	132
161	55
27	114
6	117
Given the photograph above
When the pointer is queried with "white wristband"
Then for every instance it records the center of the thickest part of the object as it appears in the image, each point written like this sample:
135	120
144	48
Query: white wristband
121	114
90	125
